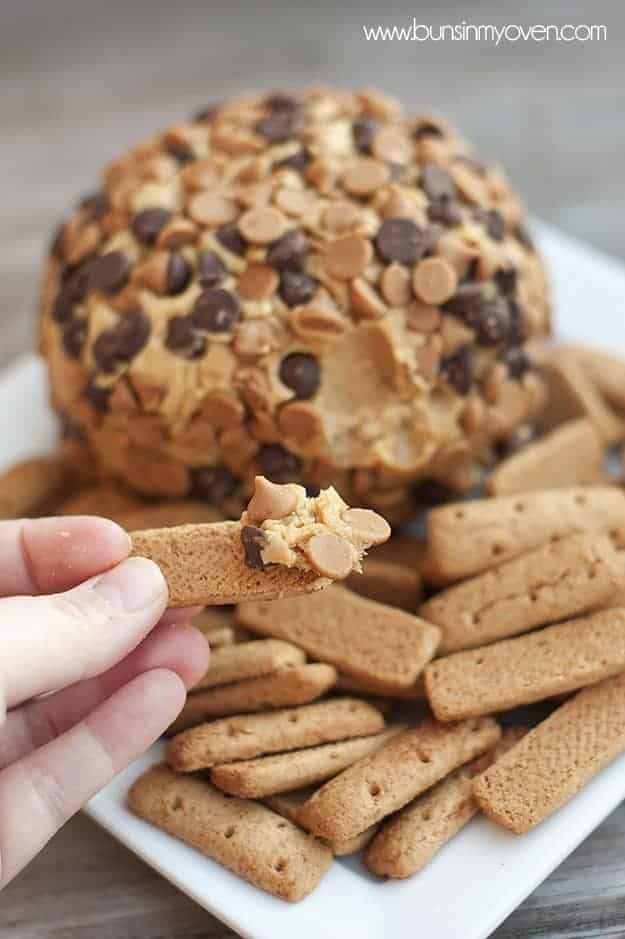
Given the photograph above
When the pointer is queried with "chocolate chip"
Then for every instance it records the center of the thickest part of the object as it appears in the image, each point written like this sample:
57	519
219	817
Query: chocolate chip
279	101
96	205
253	540
431	492
212	483
75	285
437	183
516	332
296	286
492	221
427	129
98	397
147	224
122	342
63	306
288	249
206	115
178	274
491	320
431	237
74	336
278	464
506	280
297	161
180	151
300	371
467	299
457	369
517	361
230	237
445	210
109	272
364	132
399	239
183	339
523	236
216	311
516	441
284	120
210	270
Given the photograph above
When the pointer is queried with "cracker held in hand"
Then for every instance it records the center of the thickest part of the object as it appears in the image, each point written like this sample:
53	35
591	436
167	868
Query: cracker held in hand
246	837
286	543
558	580
359	637
385	781
530	668
556	759
247	736
469	537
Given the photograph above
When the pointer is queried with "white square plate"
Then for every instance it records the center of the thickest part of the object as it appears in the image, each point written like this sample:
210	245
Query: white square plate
484	873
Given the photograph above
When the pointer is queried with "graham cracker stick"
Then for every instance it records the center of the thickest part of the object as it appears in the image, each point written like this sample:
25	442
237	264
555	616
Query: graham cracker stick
559	756
286	687
268	775
247	736
249	660
558	580
106	499
530	668
391	574
606	372
361	638
246	837
469	537
32	485
386	780
573	394
415	692
288	803
571	455
410	839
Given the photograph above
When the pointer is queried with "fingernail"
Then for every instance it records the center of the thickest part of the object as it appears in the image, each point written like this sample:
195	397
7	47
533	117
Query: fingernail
133	585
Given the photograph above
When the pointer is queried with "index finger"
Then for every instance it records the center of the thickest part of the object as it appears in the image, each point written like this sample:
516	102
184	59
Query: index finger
49	555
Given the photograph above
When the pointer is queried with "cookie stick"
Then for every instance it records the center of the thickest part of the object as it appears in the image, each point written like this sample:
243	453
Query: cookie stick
288	804
32	485
244	836
249	660
285	543
384	782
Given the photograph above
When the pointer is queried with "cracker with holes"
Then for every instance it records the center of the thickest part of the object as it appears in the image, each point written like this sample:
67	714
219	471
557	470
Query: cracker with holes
246	837
530	668
245	737
467	538
386	780
285	543
573	575
288	804
249	660
392	574
359	637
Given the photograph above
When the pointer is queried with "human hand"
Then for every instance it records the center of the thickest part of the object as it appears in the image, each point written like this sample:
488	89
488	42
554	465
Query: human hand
105	648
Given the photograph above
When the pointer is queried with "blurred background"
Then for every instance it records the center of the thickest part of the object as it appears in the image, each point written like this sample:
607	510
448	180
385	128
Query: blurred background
82	80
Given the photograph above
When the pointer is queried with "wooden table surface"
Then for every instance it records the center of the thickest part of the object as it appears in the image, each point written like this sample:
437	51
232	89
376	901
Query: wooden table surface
80	81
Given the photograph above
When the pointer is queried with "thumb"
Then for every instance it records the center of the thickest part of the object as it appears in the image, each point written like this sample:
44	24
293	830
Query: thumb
50	642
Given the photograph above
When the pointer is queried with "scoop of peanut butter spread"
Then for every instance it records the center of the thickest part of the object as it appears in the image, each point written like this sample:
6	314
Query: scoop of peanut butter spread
282	525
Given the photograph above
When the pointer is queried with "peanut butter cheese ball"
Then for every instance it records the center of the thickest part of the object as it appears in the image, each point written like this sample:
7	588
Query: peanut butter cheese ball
315	288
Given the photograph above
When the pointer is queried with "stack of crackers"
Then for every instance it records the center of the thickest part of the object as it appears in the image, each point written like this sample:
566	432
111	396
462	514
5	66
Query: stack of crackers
381	715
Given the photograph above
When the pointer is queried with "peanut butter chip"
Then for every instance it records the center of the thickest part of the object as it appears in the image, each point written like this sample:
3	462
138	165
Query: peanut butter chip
211	208
270	500
317	323
177	232
342	217
262	224
300	421
392	145
367	526
348	256
422	317
395	285
330	556
365	177
258	282
434	280
295	202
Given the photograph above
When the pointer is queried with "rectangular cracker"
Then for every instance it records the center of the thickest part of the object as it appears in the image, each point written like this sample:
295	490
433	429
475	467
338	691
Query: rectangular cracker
286	687
469	537
106	499
218	625
558	580
391	574
573	394
386	780
571	455
415	692
530	668
206	564
246	837
555	759
606	372
249	660
245	737
360	637
288	803
268	775
33	485
410	839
